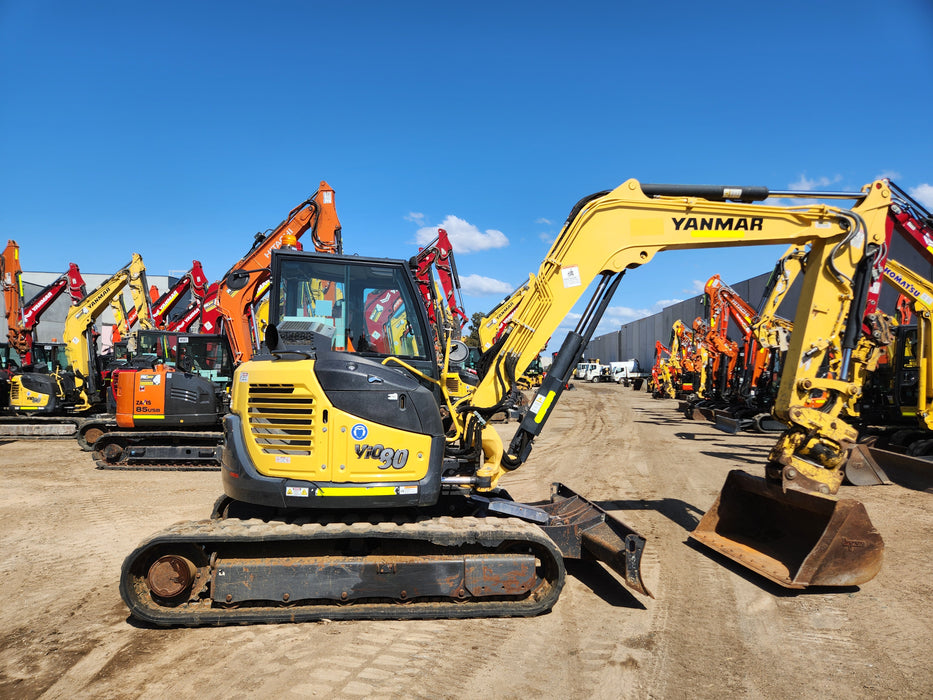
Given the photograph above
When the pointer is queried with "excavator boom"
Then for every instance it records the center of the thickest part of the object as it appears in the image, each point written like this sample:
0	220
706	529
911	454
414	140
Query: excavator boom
239	288
23	317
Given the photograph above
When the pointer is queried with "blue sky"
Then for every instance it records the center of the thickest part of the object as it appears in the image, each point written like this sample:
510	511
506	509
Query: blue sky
180	129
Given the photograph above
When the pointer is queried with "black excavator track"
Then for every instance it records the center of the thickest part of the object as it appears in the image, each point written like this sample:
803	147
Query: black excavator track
232	571
163	450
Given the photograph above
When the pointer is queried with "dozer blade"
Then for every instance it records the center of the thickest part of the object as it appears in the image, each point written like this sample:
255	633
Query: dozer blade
862	469
766	423
704	413
730	424
37	427
795	539
581	529
727	423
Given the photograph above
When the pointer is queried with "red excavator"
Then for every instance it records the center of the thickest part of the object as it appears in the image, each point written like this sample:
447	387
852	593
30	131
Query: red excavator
23	317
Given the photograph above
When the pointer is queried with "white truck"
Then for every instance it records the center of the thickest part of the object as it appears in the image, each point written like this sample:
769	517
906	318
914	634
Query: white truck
593	371
625	372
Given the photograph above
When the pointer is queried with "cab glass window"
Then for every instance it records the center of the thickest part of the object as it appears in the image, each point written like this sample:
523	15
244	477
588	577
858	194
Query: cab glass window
363	308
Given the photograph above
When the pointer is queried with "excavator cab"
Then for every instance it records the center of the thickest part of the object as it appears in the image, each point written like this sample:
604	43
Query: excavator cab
46	386
369	307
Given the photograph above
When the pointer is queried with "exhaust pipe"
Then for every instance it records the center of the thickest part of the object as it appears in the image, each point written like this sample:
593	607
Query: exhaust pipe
793	538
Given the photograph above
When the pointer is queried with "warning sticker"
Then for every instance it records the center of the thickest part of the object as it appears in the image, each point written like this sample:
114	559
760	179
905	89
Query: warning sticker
539	399
571	276
297	491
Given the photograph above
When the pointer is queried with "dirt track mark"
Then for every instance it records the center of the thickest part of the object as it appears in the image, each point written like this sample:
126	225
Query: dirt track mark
713	631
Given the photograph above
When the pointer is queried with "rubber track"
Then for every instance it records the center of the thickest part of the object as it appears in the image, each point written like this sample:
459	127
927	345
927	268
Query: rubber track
10	424
152	438
445	531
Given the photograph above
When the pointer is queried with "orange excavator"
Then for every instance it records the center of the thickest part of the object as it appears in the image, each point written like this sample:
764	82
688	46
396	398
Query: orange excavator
23	317
244	283
743	365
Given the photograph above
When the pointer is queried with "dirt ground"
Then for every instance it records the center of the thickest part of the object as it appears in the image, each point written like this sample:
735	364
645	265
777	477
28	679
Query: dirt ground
713	630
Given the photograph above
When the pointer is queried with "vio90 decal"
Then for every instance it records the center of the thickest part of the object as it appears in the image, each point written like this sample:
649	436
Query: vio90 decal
388	456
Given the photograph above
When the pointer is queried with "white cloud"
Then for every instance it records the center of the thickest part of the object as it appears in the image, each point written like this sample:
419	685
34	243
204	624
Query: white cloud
805	183
464	236
888	175
617	316
663	304
542	220
416	217
697	287
548	238
477	285
624	314
923	194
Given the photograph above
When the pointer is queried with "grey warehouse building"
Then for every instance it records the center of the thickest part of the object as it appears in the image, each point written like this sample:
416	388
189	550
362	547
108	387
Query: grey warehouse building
52	324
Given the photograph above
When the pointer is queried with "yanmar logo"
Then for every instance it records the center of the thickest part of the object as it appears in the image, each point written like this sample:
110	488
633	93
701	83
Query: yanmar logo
36	306
715	223
160	310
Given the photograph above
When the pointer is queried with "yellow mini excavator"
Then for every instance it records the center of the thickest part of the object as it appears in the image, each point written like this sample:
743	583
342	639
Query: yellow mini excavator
359	485
54	403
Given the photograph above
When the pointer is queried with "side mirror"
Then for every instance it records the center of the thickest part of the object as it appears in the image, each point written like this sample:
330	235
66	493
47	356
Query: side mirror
272	337
237	280
459	351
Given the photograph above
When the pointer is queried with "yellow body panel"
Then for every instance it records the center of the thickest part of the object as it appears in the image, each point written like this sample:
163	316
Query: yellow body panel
920	291
23	399
318	442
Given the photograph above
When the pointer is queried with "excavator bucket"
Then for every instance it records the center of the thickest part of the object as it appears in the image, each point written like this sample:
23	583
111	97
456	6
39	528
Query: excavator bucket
795	539
862	469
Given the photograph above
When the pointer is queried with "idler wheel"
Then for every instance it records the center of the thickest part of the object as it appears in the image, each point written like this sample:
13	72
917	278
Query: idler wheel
112	453
92	435
171	576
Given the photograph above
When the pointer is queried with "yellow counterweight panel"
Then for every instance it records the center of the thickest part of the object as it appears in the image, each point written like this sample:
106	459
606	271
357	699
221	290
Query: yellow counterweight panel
23	399
293	431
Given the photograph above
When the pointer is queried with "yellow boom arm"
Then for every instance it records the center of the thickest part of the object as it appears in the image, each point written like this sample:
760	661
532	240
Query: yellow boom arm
611	232
81	318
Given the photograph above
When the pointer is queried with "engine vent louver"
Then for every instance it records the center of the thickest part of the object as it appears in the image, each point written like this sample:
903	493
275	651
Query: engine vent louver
183	395
281	419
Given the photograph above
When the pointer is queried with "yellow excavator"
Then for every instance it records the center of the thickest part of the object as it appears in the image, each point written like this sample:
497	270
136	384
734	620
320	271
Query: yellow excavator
69	393
357	486
897	407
